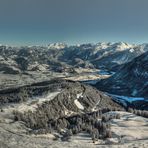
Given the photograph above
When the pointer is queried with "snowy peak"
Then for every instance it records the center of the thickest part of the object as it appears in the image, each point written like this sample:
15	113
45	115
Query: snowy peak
57	46
123	46
119	46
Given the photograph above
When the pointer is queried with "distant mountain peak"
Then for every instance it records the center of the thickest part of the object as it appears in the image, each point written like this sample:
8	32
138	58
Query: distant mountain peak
57	46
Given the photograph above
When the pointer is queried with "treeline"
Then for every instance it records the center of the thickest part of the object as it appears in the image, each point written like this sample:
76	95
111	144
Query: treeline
94	123
23	93
142	113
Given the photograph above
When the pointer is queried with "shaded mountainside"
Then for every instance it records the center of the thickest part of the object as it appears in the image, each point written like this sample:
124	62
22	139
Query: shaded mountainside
61	57
70	95
131	79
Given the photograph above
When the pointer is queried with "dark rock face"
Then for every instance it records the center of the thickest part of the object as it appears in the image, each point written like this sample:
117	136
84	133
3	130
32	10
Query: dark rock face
130	80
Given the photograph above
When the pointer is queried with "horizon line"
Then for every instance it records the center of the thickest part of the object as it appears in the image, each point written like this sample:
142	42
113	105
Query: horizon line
68	43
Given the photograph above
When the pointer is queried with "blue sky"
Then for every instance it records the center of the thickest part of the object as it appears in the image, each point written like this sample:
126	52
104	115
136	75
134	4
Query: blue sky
39	22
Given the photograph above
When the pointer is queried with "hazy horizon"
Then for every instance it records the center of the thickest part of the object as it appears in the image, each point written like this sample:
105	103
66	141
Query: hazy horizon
40	22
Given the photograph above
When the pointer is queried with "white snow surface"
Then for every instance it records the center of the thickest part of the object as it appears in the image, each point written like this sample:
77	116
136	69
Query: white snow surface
79	95
131	50
29	105
78	104
57	46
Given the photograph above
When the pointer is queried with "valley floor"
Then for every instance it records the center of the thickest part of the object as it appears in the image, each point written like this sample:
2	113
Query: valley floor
11	80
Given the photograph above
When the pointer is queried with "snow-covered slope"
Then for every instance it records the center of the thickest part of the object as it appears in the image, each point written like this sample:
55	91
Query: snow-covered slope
57	46
131	79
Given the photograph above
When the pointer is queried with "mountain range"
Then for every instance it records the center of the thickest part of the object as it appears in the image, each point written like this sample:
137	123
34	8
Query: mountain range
61	57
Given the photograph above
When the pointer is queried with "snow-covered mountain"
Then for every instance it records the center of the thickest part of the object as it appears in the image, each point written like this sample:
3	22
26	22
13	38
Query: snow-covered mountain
101	55
131	79
107	55
57	46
